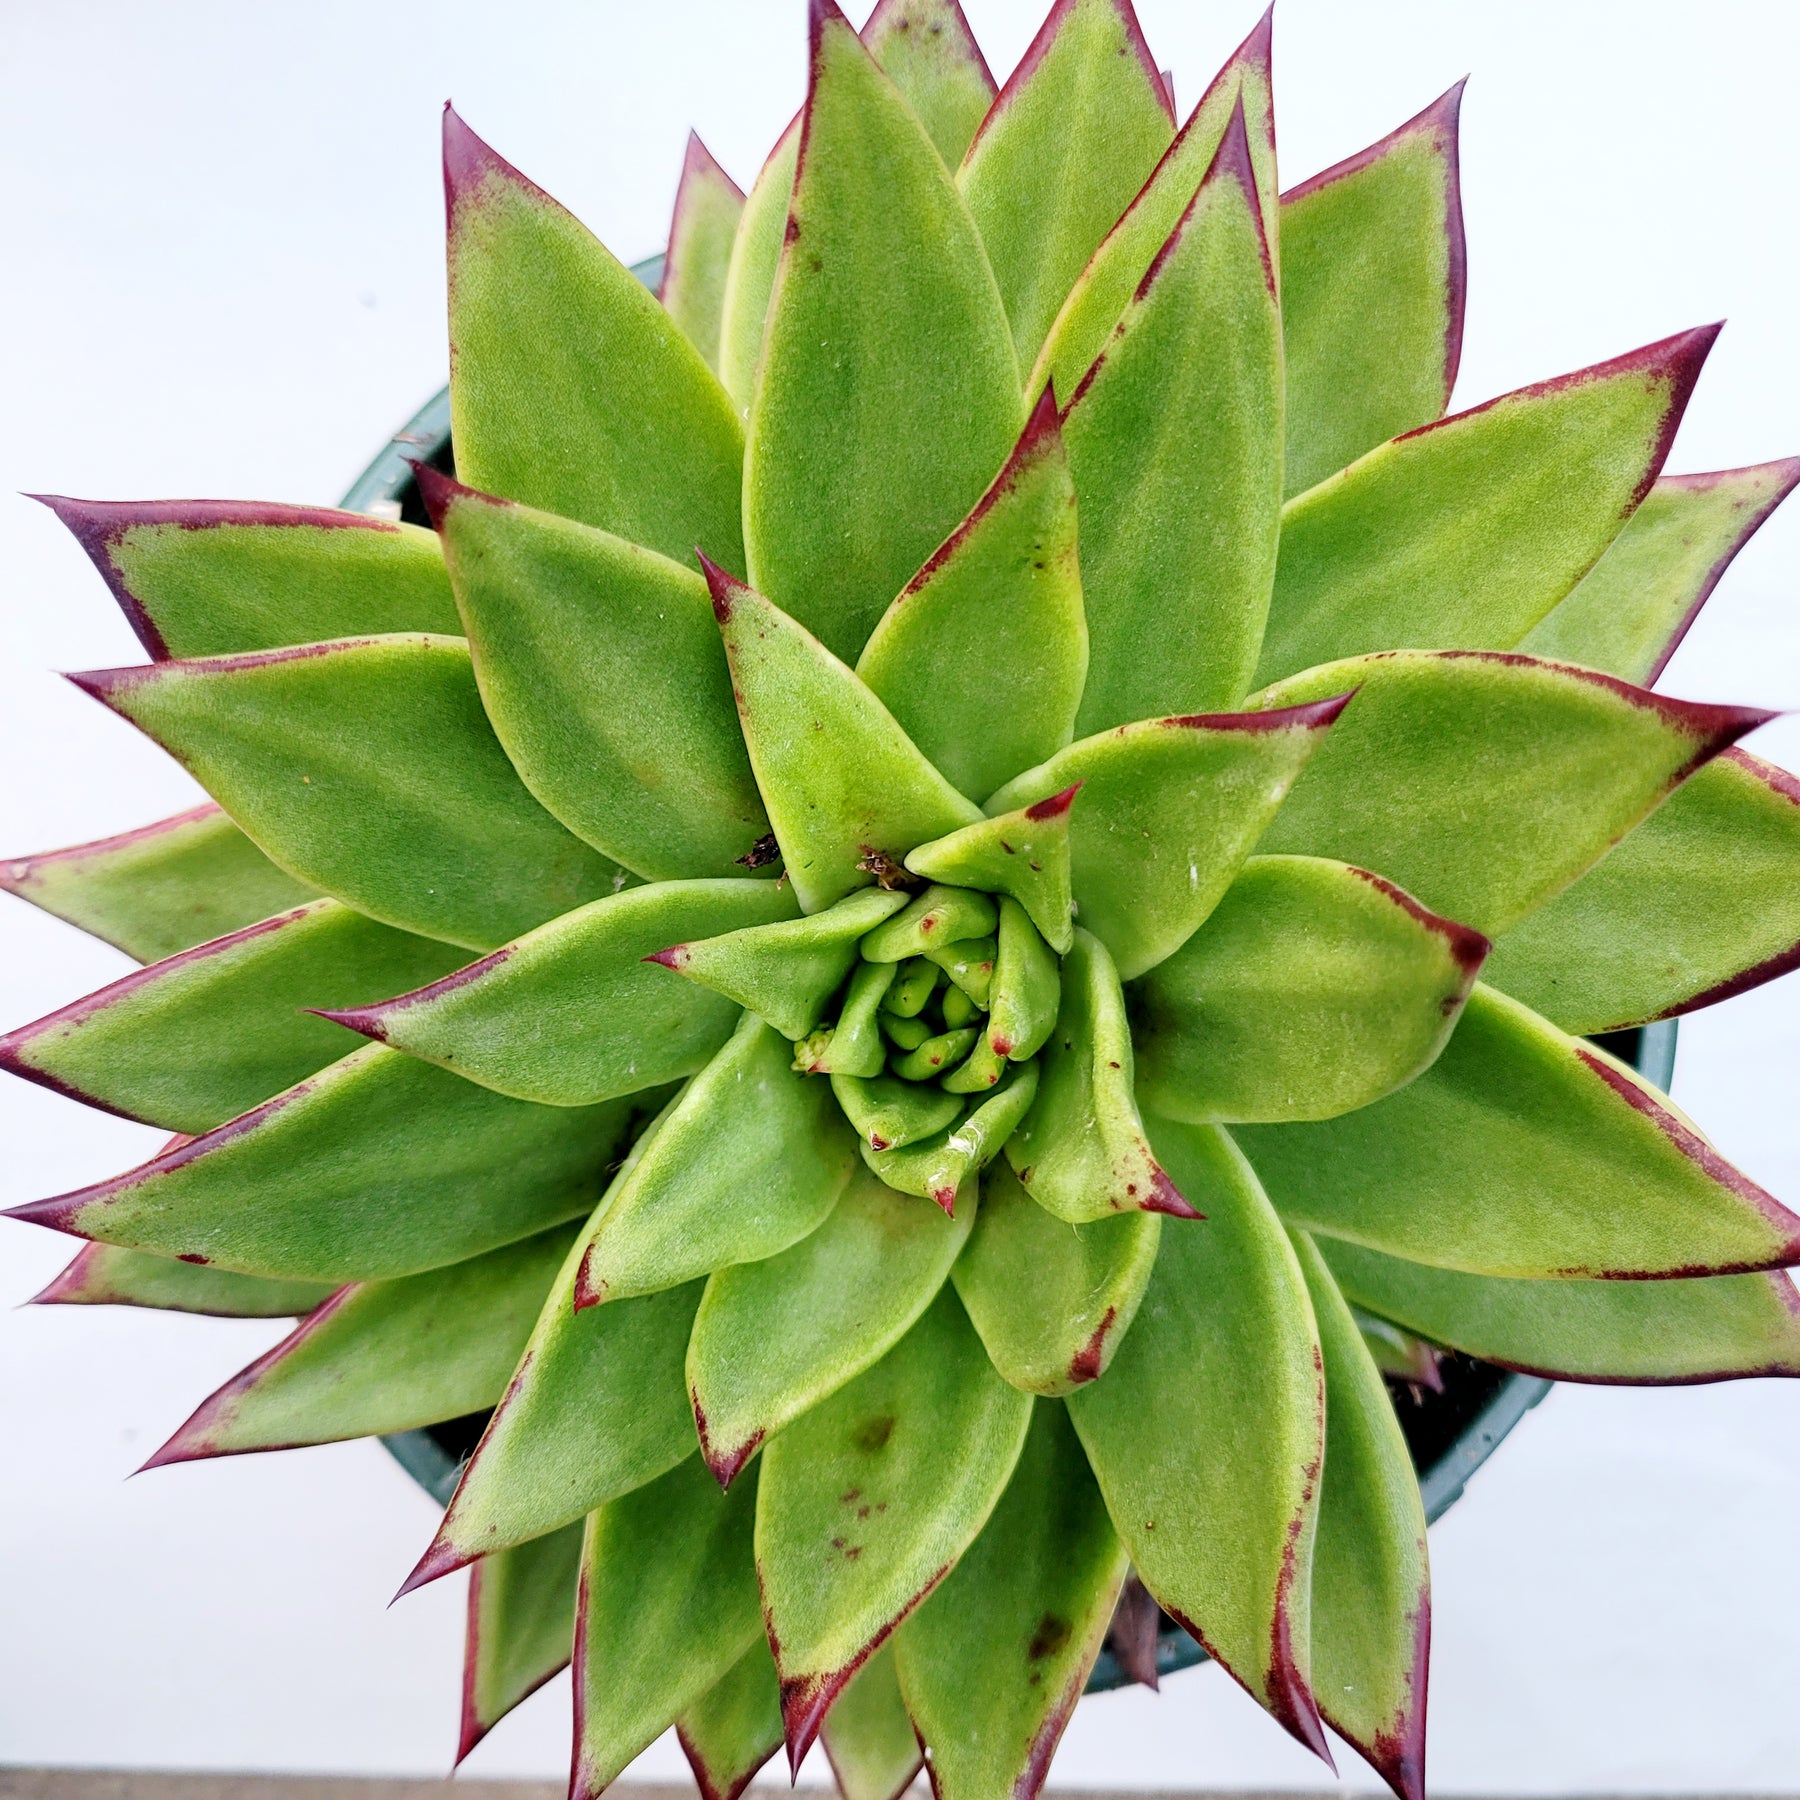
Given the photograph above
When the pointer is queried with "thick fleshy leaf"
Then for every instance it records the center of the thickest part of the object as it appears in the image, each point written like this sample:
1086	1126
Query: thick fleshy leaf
1117	268
571	389
925	47
844	785
1174	436
994	1661
888	1112
735	1726
1483	784
1052	1301
1026	994
1023	853
368	767
1076	131
940	915
749	1160
1632	608
103	1275
521	1627
1223	1351
854	1045
1371	1583
786	971
375	1167
1313	989
383	1356
938	1167
570	1013
888	393
599	666
868	1499
159	889
1373	275
708	207
983	656
1169	809
596	1408
774	1338
1713	1328
1524	1152
1464	534
1081	1151
668	1608
205	1035
209	577
868	1734
750	278
1700	902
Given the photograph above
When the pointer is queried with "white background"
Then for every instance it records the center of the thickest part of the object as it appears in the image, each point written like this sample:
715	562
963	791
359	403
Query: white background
223	277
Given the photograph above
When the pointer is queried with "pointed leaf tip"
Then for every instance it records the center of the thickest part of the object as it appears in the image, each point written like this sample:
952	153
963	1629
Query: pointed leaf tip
364	1021
1057	804
437	490
676	957
468	158
721	584
440	1558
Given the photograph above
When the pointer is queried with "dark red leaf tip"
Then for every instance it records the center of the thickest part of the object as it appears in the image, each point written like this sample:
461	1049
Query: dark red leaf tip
441	1558
724	587
1310	715
1468	947
1231	161
676	957
1166	1197
1056	805
821	13
1257	48
364	1021
439	491
1443	115
469	160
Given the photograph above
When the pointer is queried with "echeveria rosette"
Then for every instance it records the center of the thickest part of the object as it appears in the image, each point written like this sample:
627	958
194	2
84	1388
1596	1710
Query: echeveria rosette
920	959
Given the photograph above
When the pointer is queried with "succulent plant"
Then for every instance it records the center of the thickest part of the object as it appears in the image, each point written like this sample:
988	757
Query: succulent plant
875	942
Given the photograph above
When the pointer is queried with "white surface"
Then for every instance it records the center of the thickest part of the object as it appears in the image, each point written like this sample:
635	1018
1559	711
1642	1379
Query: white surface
222	243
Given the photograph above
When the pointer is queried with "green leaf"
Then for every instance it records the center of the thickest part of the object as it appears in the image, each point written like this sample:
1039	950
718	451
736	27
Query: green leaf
749	1160
1169	809
571	389
205	1035
888	1112
750	277
1631	609
1373	274
994	1661
103	1275
1117	268
596	1408
785	972
1714	1328
983	655
853	1046
936	1167
735	1726
844	785
708	207
383	1356
1223	1352
925	47
368	768
1081	1151
1052	1302
1075	133
521	1627
1700	902
940	915
888	393
375	1167
1483	784
1524	1152
868	1734
1371	1584
208	577
1027	987
772	1339
668	1607
1313	989
572	1012
599	666
1463	534
1024	853
868	1499
162	888
1174	436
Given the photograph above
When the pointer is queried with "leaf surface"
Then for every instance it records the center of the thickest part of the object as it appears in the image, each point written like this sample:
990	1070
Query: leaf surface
1462	535
868	1734
936	1167
1521	1151
1483	784
1024	854
1314	988
103	1275
735	1726
887	394
209	577
368	768
708	208
925	47
521	1627
750	276
1027	989
571	389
